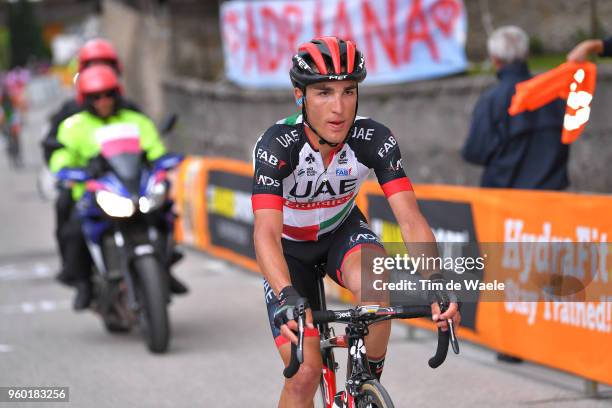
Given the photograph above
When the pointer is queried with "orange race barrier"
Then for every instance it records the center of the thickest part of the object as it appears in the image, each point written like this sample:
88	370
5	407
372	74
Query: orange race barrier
569	336
571	81
213	199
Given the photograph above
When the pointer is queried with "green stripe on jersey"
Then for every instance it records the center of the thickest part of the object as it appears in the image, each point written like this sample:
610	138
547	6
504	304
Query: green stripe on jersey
337	217
290	120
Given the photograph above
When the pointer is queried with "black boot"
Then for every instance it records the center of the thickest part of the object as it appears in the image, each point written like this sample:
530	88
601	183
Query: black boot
176	286
83	296
176	256
64	278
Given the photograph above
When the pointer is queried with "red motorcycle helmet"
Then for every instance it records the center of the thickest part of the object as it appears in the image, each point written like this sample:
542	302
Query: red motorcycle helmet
97	79
99	49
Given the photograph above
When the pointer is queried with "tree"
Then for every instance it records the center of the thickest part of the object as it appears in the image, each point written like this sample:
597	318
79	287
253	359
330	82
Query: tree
26	38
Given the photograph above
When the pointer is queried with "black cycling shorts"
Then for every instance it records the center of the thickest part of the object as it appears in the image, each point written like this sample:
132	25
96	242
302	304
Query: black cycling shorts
330	250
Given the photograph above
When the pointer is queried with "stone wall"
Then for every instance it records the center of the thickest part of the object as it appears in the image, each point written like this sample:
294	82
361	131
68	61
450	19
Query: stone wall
142	41
430	120
557	25
554	26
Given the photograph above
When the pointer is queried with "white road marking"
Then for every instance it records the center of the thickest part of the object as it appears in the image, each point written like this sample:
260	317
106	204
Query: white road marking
27	272
28	307
5	348
42	306
7	271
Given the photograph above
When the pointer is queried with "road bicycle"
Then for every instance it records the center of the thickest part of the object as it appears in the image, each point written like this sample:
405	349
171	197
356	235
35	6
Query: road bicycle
362	389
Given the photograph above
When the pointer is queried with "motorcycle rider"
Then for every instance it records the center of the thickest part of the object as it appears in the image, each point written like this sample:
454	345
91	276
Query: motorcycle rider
97	51
99	91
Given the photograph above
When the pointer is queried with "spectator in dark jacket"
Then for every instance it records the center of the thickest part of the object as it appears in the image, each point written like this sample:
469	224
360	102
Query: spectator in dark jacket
523	151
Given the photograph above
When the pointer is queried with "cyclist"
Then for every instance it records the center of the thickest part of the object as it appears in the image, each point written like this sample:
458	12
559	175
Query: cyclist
308	170
10	120
100	91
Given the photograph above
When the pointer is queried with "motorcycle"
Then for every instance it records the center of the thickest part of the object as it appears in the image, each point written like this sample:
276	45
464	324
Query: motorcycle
126	216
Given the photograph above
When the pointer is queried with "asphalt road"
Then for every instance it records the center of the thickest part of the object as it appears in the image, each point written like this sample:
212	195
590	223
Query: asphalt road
221	352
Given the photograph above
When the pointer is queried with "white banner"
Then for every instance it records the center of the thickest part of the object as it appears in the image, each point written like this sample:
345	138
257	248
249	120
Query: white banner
402	40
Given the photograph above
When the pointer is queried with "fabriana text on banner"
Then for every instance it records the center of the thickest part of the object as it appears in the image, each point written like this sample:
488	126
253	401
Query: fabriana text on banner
402	40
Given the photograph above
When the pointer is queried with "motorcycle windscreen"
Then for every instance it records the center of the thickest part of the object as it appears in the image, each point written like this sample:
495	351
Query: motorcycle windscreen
120	146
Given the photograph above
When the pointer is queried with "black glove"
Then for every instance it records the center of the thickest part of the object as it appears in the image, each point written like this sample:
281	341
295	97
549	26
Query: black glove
97	167
444	297
288	299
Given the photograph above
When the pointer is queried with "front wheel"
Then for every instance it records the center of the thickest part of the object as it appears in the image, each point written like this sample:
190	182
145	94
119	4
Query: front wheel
153	305
373	395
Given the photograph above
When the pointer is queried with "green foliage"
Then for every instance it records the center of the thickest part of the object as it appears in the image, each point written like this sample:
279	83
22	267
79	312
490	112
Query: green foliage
536	46
5	48
26	40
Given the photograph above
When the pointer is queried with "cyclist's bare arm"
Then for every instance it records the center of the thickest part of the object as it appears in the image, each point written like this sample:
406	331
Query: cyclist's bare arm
414	228
269	250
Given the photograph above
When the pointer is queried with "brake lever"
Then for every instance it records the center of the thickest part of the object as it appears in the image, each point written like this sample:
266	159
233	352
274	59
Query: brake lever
444	305
301	317
453	338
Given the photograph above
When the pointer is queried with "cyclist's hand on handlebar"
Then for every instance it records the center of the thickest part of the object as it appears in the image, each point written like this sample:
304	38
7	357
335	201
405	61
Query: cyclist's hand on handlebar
446	298
288	330
441	319
285	316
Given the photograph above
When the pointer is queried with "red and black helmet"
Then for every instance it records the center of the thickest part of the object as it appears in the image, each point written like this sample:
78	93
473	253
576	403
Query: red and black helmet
98	49
97	79
327	59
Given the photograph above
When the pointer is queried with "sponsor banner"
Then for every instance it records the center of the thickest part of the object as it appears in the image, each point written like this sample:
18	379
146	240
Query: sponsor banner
187	189
551	240
230	217
402	40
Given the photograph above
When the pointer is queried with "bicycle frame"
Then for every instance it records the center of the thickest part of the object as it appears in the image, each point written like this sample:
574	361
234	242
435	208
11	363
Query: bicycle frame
358	369
328	376
357	321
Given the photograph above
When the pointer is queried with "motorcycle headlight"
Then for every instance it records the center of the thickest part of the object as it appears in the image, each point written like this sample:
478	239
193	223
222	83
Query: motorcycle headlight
115	205
153	200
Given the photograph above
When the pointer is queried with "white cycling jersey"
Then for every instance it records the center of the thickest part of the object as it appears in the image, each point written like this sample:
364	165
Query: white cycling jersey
289	175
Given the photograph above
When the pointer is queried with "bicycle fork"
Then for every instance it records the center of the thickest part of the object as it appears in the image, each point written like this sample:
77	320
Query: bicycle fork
358	369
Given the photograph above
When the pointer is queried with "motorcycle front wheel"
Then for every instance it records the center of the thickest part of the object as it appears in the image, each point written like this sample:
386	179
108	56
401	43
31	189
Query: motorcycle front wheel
152	288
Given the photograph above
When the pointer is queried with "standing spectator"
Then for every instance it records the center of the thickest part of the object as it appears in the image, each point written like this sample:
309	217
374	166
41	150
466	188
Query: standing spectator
579	53
522	151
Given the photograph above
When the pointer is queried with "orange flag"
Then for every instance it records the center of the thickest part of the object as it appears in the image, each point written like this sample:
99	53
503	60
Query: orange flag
572	81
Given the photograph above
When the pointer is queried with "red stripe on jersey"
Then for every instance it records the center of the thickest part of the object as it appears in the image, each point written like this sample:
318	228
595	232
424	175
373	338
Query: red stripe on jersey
397	185
266	201
307	233
334	202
